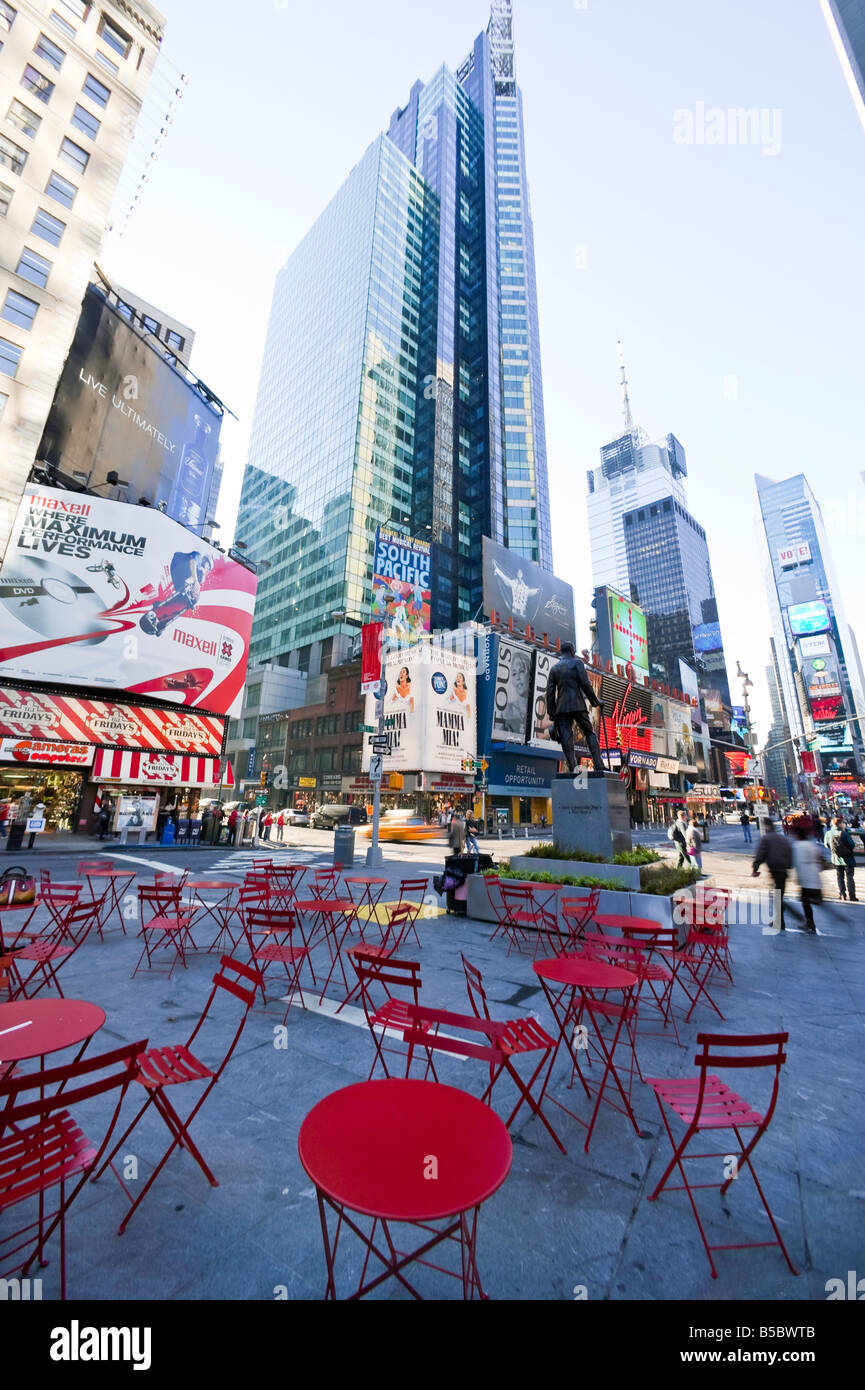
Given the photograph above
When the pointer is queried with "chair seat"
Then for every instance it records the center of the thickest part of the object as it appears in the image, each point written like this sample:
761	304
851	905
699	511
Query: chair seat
524	1035
379	952
168	924
170	1066
722	1108
524	919
648	971
43	950
395	1014
41	1156
282	955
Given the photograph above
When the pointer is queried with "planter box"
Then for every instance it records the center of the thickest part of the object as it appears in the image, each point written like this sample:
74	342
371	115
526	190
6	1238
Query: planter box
574	868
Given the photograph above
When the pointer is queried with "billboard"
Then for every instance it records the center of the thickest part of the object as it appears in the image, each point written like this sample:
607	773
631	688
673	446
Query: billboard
26	714
821	678
46	753
539	732
827	709
815	646
628	633
401	586
794	555
513	691
809	618
120	406
430	710
707	637
99	593
517	588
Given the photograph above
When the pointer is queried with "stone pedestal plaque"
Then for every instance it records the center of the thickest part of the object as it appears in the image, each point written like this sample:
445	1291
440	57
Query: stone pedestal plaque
592	817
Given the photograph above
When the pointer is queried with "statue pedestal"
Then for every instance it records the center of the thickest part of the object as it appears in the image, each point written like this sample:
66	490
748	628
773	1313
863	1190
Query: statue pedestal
594	818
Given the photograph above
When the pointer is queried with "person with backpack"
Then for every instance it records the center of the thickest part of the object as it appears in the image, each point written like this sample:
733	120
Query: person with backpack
694	842
677	834
842	847
472	828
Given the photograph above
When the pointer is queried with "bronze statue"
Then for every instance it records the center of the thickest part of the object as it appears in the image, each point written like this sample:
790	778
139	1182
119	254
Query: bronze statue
568	690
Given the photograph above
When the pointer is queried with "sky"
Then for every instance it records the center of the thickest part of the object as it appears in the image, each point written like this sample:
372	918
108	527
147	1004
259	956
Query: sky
732	272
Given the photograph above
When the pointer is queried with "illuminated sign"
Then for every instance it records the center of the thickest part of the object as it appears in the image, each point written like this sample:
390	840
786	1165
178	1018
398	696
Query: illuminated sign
815	646
707	637
827	709
808	618
628	631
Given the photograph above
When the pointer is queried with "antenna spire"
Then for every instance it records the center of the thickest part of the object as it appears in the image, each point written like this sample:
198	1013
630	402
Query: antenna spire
626	399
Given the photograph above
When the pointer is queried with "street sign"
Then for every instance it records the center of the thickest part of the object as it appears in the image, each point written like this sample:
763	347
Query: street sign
381	743
369	729
34	825
261	799
484	765
376	770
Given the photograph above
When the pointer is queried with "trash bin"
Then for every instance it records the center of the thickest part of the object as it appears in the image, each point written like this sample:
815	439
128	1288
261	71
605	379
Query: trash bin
343	847
15	838
458	868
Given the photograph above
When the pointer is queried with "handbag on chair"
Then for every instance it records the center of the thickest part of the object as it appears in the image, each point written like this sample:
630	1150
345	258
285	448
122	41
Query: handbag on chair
17	888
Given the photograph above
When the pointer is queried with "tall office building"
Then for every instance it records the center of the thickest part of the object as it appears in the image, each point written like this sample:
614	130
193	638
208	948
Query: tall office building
647	545
73	76
846	21
401	381
778	758
817	659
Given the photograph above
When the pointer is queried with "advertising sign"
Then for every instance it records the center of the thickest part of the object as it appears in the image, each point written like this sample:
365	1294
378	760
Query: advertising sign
401	586
828	709
792	555
430	710
371	658
136	812
815	646
707	637
821	678
539	733
24	714
518	588
806	619
512	692
628	631
160	769
32	750
97	593
120	406
511	775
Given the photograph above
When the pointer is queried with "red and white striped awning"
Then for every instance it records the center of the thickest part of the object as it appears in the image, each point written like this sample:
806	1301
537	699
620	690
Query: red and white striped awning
161	769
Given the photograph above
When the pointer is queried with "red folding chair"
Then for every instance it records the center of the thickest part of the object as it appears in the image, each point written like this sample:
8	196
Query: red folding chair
518	1037
58	897
636	957
494	893
327	883
525	914
393	936
578	913
688	969
705	1102
413	892
43	1148
708	934
284	884
47	953
384	1010
163	1067
259	885
168	927
276	928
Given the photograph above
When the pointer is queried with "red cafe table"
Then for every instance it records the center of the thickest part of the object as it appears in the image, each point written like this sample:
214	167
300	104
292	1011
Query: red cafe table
404	1152
221	911
114	892
572	985
369	899
325	911
35	1027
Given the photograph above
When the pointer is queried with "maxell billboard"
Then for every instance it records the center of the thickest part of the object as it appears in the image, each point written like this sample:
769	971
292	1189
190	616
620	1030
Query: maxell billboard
120	406
517	588
104	594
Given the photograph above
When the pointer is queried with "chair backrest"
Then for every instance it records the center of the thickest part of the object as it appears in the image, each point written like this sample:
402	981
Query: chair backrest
376	974
326	882
517	897
399	925
44	876
161	901
241	982
615	950
249	899
73	921
413	885
257	880
86	866
580	909
60	894
494	893
475	987
270	921
740	1051
27	1095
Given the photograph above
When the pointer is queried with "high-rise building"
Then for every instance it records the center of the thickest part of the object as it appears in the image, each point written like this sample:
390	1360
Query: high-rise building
647	545
779	762
73	76
175	339
401	381
817	662
846	21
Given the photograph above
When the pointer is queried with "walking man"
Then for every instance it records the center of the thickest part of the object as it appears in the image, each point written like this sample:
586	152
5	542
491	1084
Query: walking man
678	833
840	843
809	861
776	854
472	828
745	822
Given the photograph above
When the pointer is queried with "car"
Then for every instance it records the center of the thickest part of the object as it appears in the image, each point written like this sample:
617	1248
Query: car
406	827
329	817
290	817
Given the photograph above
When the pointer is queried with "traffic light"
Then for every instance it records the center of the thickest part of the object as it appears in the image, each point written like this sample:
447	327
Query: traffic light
263	779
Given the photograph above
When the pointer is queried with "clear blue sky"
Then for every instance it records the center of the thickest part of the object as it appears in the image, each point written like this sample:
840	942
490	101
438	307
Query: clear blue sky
710	262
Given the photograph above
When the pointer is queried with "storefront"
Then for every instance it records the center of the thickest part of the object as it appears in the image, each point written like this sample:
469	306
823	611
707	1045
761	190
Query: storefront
520	790
140	790
47	772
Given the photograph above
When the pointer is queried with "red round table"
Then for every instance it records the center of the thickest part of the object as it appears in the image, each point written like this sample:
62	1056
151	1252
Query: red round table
572	984
369	901
221	911
35	1027
326	910
113	892
413	1152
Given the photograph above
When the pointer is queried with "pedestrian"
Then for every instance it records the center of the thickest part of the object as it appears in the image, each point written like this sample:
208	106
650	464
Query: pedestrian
38	813
745	822
808	862
776	854
104	819
677	834
472	829
266	823
840	843
457	833
694	843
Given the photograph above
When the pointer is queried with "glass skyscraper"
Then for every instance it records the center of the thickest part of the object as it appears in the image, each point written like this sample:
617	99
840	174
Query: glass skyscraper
846	20
401	382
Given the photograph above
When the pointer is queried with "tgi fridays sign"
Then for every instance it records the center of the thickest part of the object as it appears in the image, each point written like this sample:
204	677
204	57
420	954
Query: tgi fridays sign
54	718
31	750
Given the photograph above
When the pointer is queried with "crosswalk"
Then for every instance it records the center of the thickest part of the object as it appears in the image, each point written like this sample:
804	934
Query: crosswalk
246	861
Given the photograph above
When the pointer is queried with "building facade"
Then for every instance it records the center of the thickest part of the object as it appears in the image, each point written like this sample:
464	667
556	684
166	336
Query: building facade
73	76
778	758
817	663
401	382
846	21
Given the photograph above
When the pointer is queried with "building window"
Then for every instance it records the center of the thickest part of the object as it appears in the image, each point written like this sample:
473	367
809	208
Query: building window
47	227
80	8
10	356
5	198
12	155
23	118
19	310
171	359
62	24
125	310
3	400
7	16
49	51
174	340
37	84
96	90
114	37
150	324
61	189
34	268
87	124
74	155
107	64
